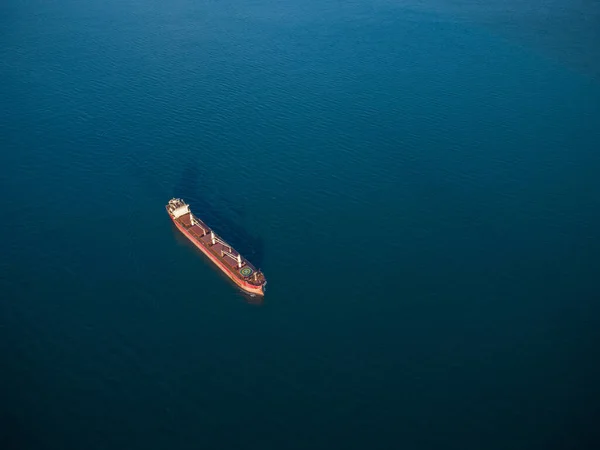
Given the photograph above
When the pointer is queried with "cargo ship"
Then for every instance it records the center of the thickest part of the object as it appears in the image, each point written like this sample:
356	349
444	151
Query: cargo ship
225	257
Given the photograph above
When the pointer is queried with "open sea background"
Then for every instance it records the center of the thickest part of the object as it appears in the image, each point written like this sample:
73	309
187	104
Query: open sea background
417	179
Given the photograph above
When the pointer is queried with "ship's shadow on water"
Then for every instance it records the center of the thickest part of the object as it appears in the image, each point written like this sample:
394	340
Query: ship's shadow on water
217	213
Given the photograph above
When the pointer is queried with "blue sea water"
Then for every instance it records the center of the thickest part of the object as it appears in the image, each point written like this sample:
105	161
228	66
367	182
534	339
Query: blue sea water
418	180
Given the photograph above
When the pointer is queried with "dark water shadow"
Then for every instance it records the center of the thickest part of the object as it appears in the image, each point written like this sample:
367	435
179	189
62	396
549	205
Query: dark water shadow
218	213
13	436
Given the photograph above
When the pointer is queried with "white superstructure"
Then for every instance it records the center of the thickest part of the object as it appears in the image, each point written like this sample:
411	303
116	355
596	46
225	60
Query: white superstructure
178	207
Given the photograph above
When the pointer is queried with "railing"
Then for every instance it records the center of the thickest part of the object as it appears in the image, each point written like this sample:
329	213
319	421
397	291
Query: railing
259	275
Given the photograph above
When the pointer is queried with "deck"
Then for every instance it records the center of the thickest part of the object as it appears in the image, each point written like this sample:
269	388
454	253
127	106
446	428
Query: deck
201	232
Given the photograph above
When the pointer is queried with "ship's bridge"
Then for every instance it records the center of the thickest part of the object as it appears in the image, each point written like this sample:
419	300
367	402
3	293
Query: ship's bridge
178	208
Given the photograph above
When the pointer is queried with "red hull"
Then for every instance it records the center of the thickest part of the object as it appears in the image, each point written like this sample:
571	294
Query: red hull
247	287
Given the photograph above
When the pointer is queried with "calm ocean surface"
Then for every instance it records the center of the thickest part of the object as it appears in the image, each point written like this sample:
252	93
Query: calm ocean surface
419	181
